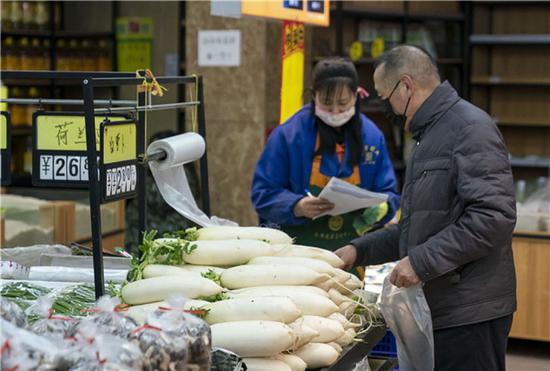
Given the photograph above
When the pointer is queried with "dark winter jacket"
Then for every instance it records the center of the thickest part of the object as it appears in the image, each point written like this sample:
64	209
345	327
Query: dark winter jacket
458	214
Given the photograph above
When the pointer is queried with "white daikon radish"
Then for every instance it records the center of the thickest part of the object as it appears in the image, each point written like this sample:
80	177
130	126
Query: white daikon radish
347	308
342	275
227	252
253	338
317	355
347	338
266	364
269	235
303	333
279	309
337	297
201	268
326	285
328	329
318	266
283	288
263	275
343	321
336	347
295	362
353	283
140	312
158	270
310	252
154	289
306	302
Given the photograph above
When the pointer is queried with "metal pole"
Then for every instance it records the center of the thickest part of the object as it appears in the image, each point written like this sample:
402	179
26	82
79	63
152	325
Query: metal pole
205	192
68	102
141	171
93	187
140	108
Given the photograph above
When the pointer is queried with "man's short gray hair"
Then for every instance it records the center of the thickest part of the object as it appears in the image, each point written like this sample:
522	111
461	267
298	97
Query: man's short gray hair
410	60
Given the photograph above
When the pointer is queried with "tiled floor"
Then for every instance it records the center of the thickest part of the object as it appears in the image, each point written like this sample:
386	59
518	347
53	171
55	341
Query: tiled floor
526	355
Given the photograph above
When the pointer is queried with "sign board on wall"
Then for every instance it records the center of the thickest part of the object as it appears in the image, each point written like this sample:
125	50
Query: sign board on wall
5	148
315	12
134	36
219	48
292	77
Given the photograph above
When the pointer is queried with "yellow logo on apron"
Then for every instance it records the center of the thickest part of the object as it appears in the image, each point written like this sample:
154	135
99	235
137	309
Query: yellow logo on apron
335	223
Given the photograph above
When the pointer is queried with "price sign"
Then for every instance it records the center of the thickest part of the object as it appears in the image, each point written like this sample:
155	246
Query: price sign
118	160
59	148
5	148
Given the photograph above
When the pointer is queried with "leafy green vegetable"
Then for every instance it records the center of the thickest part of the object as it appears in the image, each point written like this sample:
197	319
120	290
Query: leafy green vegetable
155	252
218	297
23	290
199	312
211	275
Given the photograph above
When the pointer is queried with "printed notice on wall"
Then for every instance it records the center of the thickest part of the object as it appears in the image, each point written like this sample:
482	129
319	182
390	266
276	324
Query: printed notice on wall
219	48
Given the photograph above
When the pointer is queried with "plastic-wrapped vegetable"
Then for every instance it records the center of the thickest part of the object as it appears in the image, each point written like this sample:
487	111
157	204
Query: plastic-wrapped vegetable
224	360
48	324
110	320
23	350
187	326
23	290
161	350
12	313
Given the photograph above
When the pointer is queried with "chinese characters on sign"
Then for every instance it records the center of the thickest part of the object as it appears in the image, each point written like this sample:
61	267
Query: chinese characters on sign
219	48
5	148
292	79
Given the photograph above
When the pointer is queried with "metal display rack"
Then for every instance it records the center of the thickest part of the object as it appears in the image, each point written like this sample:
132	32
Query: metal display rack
91	108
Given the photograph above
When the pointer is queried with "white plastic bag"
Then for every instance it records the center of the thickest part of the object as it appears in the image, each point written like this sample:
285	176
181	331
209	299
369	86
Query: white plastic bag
407	314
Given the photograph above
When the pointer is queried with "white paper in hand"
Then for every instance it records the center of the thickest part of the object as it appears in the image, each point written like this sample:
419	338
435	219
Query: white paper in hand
346	197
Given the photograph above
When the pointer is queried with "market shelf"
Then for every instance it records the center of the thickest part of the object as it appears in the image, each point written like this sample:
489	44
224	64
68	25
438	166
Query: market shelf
489	39
398	16
22	130
521	124
26	33
83	35
366	61
506	81
531	161
534	234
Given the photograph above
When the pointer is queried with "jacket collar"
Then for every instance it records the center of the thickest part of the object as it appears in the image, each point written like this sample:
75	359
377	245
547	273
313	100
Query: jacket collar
439	102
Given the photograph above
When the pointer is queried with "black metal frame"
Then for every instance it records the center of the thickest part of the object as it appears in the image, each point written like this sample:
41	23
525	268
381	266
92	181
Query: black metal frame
90	81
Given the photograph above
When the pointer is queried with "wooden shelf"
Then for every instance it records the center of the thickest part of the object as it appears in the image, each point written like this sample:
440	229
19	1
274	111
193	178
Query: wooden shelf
535	234
518	39
531	161
398	16
507	81
522	124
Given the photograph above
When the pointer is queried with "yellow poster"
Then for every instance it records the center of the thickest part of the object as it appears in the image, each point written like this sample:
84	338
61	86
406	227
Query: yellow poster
315	12
134	37
292	79
3	132
119	143
65	133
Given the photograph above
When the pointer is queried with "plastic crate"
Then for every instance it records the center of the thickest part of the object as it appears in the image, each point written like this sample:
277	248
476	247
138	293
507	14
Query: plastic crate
386	347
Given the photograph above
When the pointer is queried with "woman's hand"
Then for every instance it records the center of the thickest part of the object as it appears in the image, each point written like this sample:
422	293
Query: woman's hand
310	207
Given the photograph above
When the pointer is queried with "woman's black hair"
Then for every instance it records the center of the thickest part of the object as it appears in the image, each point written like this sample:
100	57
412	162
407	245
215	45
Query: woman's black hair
330	77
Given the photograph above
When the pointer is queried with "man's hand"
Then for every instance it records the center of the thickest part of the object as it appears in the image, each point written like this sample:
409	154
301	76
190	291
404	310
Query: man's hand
403	275
310	207
348	254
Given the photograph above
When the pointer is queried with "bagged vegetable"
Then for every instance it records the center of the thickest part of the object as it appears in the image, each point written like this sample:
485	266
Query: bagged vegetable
48	324
12	313
110	319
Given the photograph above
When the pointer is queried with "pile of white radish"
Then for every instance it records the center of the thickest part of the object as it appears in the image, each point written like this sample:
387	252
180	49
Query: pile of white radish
284	306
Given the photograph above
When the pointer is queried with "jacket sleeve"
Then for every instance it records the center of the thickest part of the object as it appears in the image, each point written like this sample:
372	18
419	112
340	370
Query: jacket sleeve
271	194
485	188
385	181
380	246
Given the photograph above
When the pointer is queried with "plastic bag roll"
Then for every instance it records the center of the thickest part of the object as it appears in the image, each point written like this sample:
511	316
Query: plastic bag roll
180	149
171	180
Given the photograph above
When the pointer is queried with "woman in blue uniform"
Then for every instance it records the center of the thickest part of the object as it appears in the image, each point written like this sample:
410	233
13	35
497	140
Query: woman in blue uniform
328	137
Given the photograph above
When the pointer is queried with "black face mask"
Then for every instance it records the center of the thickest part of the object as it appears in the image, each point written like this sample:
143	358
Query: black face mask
396	119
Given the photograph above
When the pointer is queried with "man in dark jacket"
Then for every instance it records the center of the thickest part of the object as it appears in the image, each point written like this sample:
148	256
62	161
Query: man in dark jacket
458	215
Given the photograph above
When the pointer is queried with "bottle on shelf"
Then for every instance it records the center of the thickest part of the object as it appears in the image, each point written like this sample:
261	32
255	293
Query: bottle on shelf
75	56
37	61
6	15
88	60
62	56
15	15
104	56
28	15
10	54
18	112
42	15
25	53
46	56
27	156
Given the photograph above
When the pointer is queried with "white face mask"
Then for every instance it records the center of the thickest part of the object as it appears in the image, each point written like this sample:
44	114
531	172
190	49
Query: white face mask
335	119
